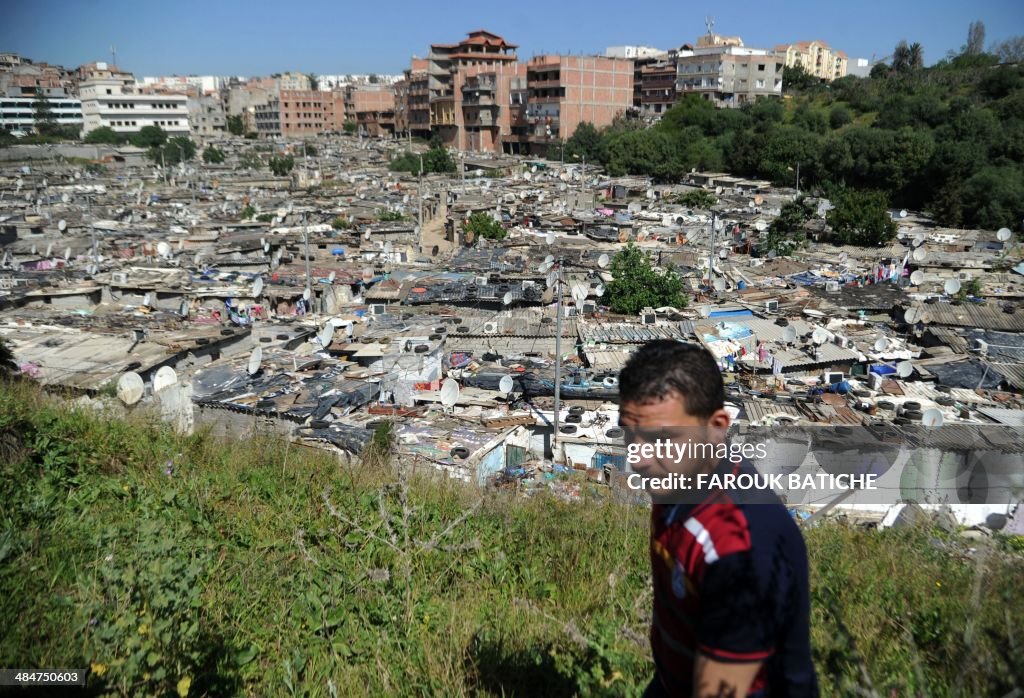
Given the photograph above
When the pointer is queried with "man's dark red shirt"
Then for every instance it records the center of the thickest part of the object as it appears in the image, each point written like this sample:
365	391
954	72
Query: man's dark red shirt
730	582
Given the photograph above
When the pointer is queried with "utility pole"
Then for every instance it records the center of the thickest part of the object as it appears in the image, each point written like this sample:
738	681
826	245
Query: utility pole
419	191
305	239
711	248
558	355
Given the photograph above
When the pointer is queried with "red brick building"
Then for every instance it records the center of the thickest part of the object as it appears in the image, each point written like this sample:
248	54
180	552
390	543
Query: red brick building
310	112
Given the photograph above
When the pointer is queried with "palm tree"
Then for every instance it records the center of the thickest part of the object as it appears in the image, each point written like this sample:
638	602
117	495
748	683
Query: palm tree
901	57
916	56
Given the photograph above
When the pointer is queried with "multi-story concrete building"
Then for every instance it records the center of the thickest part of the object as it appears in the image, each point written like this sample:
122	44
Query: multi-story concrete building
816	57
489	106
372	108
264	119
18	113
728	73
641	56
113	99
446	74
293	82
311	112
565	91
203	84
206	115
657	87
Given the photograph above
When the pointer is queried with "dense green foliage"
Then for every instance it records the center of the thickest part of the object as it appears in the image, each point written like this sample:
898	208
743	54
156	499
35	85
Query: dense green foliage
786	232
636	285
349	127
698	198
483	225
149	137
948	140
281	166
437	159
861	217
340	223
213	155
173	151
263	568
250	160
104	135
235	125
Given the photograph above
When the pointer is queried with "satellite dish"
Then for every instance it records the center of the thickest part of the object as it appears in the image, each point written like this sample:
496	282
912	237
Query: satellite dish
92	270
903	213
579	293
306	294
911	316
789	334
932	418
332	276
255	359
904	369
163	249
881	344
760	226
507	298
183	309
165	377
33	250
130	388
920	254
550	259
551	280
549	238
547	296
62	225
1003	234
951	287
843	256
266	248
147	300
917	278
719	284
326	334
603	261
449	392
388	247
65	198
599	290
506	384
49	250
257	287
544	267
723	254
918	240
67	253
367	275
819	336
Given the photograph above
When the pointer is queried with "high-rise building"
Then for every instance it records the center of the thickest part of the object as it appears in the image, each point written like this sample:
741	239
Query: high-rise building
111	97
723	70
816	57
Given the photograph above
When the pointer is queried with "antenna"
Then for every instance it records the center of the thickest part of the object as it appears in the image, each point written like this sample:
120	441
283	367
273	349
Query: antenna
130	388
505	385
917	278
62	225
920	254
789	334
911	316
257	287
904	369
1003	234
719	284
932	418
332	276
113	56
819	336
603	261
881	344
507	298
951	287
919	240
449	392
255	359
326	334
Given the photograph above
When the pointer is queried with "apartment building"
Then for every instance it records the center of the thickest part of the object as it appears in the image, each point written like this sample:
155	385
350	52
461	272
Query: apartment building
263	118
564	91
412	101
492	99
310	112
728	73
446	74
206	115
17	113
293	82
641	56
372	109
657	87
816	57
112	98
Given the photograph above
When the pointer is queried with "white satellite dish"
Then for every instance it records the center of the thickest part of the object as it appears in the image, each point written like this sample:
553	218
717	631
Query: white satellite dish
449	392
1003	234
33	250
306	294
881	344
918	240
951	287
819	336
130	388
367	275
579	293
65	198
760	226
49	250
723	254
550	259
843	257
917	278
599	290
183	309
163	249
164	377
257	287
332	276
388	247
549	238
903	213
147	300
255	359
92	270
551	280
62	225
719	284
603	261
920	254
911	315
904	369
67	253
789	334
326	334
507	298
506	384
932	418
266	248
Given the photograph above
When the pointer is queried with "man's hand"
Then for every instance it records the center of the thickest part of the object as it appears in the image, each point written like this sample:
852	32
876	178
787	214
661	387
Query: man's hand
713	679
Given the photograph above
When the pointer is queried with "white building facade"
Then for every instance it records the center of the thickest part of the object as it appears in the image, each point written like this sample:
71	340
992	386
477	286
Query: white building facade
18	113
124	108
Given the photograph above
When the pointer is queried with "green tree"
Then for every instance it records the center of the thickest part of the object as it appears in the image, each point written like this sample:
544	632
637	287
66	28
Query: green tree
861	217
698	198
584	142
105	135
309	149
636	285
250	160
213	156
149	137
248	212
350	127
797	79
42	116
786	233
839	116
235	125
483	225
281	166
340	223
373	79
177	149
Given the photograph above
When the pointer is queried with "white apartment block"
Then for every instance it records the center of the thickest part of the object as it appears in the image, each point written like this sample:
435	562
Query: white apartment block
126	109
203	83
18	113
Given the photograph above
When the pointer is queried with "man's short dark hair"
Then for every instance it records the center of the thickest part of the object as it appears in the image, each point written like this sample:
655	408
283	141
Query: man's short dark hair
666	367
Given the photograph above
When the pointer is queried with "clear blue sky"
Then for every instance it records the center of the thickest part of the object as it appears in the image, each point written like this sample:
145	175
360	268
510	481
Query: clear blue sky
229	37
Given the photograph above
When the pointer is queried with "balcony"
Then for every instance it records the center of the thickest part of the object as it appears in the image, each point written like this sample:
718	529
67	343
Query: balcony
482	118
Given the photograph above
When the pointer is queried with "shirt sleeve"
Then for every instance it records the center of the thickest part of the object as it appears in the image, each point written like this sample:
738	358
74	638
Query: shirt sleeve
737	615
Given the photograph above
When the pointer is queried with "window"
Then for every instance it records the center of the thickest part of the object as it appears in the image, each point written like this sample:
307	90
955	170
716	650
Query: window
759	84
108	91
760	67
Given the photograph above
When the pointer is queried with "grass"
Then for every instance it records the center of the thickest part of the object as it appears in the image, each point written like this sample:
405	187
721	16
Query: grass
175	565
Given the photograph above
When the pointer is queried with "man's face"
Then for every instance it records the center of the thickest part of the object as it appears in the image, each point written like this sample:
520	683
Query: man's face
667	419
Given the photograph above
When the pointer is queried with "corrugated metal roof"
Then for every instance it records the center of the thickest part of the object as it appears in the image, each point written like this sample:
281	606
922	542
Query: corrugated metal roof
988	316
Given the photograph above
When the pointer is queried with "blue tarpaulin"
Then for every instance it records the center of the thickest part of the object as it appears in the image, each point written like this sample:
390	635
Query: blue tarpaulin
883	369
731	313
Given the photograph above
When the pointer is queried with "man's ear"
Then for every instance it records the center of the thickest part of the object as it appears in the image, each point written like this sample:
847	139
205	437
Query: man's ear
720	421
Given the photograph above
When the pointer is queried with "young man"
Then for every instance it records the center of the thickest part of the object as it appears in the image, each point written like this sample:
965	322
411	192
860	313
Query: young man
731	598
